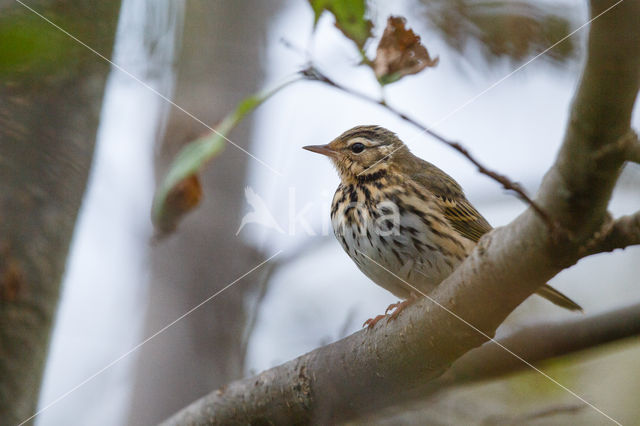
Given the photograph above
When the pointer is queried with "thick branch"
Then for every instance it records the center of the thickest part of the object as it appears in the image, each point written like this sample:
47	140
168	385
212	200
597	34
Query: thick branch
377	368
537	343
533	344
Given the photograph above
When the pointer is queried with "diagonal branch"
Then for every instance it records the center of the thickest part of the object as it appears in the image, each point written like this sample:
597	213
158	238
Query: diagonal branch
534	343
312	73
373	369
537	343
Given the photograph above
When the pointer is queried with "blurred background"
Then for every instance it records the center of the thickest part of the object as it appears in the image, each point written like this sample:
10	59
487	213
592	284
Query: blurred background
121	286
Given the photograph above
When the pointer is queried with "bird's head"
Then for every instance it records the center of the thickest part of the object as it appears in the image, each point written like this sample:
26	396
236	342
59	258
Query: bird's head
362	151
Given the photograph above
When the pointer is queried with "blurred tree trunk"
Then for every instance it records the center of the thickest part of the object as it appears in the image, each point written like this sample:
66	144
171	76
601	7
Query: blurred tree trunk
380	367
50	96
220	63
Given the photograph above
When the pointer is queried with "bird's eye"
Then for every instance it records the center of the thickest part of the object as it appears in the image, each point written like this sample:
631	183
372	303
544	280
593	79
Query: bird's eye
357	148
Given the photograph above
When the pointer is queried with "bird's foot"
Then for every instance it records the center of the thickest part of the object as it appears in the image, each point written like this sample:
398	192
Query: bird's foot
371	322
395	309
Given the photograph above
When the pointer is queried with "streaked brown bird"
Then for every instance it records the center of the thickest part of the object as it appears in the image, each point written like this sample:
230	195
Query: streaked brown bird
400	218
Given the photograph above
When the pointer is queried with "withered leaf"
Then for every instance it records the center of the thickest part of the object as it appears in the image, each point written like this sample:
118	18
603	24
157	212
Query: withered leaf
181	199
400	53
179	191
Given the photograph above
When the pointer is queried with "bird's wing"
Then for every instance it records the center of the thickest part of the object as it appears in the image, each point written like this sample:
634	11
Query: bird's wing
463	217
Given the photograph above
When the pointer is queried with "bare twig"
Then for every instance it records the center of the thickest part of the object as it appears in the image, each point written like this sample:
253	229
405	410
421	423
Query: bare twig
634	149
313	73
262	285
627	146
615	234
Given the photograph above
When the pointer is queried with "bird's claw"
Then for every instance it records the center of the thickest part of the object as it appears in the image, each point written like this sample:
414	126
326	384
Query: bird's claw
392	307
371	322
396	308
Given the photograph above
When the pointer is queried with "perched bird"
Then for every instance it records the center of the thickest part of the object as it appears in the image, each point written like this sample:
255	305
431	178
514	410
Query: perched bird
397	215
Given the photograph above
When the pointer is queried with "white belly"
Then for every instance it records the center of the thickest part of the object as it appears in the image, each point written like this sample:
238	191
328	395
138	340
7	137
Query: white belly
404	258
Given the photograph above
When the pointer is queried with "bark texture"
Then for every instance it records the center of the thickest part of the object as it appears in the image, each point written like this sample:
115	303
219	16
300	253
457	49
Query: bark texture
372	369
50	94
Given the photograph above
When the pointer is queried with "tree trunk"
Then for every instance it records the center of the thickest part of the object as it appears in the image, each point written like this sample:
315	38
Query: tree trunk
220	63
50	93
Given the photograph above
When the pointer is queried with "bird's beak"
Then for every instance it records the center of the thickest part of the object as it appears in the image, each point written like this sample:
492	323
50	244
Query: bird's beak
322	149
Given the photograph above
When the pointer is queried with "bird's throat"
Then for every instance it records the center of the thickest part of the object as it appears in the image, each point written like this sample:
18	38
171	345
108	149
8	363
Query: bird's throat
371	177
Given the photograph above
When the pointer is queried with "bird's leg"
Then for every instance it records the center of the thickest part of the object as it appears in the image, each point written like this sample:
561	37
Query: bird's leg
395	307
400	306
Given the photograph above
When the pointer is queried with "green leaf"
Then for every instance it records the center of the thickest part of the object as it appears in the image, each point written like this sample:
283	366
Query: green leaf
349	15
179	192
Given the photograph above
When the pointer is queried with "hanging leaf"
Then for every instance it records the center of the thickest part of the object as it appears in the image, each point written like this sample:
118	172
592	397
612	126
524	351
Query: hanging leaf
400	53
349	15
180	190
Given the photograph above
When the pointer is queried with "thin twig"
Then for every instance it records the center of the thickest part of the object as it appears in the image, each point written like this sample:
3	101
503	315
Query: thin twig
634	148
262	285
312	73
628	146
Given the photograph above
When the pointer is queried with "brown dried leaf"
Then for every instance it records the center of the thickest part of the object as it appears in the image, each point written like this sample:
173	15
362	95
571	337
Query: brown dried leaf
400	53
182	198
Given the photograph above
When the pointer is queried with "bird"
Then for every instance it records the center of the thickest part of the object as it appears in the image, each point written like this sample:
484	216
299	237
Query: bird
405	223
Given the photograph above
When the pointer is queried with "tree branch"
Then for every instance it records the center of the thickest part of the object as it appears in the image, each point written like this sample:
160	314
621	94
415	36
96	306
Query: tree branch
380	367
616	234
634	148
534	344
530	417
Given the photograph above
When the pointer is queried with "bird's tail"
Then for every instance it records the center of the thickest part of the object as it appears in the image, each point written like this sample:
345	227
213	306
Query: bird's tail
557	298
